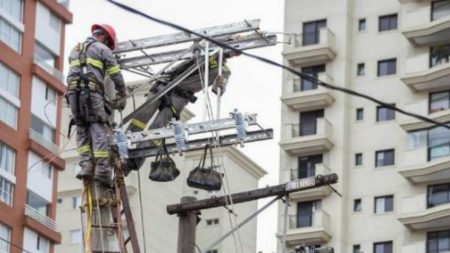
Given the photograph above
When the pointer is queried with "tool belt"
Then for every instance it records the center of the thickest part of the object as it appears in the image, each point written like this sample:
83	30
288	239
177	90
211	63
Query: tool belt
206	178
92	84
163	169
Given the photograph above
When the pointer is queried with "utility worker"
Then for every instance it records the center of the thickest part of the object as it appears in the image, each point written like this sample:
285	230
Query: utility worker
90	61
171	105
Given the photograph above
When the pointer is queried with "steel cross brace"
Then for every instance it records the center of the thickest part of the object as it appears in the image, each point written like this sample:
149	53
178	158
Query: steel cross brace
199	144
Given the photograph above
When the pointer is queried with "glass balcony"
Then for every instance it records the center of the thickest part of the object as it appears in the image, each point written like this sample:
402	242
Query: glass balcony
312	230
298	53
418	170
311	194
420	77
422	108
41	218
41	140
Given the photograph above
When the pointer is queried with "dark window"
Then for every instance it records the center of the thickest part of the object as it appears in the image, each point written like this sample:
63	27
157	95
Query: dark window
385	114
382	247
362	24
438	195
384	204
361	69
439	101
212	251
438	143
359	114
358	159
308	122
439	55
357	248
313	71
387	67
305	213
357	205
307	165
440	9
438	241
384	157
388	22
211	222
311	32
37	202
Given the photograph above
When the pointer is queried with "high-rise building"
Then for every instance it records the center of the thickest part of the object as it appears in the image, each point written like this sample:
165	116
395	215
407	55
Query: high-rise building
31	83
394	170
149	199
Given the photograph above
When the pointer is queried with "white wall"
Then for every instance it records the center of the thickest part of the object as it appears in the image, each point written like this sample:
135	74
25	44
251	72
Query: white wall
37	181
48	32
38	103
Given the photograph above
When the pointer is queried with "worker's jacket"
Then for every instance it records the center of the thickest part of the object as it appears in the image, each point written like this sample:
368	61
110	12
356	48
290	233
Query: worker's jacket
99	61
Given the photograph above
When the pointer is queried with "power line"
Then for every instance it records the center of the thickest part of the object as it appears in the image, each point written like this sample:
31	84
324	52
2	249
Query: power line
14	245
271	62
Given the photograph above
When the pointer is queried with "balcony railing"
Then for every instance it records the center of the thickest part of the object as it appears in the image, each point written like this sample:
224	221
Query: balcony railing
50	69
320	169
321	37
422	108
319	219
37	137
323	127
36	215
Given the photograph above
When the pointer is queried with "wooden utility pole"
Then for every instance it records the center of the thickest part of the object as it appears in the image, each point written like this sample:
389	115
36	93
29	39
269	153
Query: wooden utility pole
187	228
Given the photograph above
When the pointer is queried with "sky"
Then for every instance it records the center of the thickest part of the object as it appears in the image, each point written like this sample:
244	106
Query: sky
253	87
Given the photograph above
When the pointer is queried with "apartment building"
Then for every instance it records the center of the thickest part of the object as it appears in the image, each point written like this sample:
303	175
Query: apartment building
161	229
394	170
31	81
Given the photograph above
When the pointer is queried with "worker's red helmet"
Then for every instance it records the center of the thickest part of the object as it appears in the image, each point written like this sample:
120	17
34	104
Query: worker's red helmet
109	31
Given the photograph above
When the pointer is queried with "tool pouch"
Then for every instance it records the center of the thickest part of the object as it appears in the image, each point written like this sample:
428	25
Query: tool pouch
205	178
163	169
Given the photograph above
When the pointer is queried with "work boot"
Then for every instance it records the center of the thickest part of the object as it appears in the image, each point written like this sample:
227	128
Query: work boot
87	170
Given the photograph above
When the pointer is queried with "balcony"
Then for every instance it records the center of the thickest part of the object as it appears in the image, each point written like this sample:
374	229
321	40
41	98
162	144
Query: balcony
317	233
48	68
420	77
420	31
39	217
411	124
308	100
311	194
418	170
322	52
295	144
416	216
37	137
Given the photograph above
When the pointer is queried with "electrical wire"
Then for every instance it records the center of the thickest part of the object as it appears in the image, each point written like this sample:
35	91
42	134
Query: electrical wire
273	63
15	245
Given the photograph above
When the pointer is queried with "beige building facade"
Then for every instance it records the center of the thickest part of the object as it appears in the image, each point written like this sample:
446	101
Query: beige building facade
394	170
161	229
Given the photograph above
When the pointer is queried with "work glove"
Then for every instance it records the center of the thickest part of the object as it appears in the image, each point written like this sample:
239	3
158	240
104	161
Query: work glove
119	102
219	83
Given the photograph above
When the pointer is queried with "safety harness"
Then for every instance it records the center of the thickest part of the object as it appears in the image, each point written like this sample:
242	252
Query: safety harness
83	87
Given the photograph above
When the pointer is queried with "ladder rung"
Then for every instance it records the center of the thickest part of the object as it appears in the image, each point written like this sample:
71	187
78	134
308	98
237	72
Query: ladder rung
127	240
98	226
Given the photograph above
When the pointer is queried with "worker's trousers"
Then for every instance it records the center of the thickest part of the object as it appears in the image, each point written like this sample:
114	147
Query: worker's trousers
163	117
92	137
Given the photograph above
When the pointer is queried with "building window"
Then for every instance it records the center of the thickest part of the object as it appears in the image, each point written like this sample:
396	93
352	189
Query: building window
439	101
38	203
210	222
50	95
357	205
311	32
305	213
42	128
384	204
356	248
7	158
5	238
388	22
42	244
75	236
212	251
387	67
43	55
313	71
76	202
55	23
440	9
358	159
13	8
382	247
438	241
59	200
384	158
438	143
307	165
439	55
438	195
361	69
359	114
8	113
385	114
10	35
6	191
362	24
308	122
9	81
